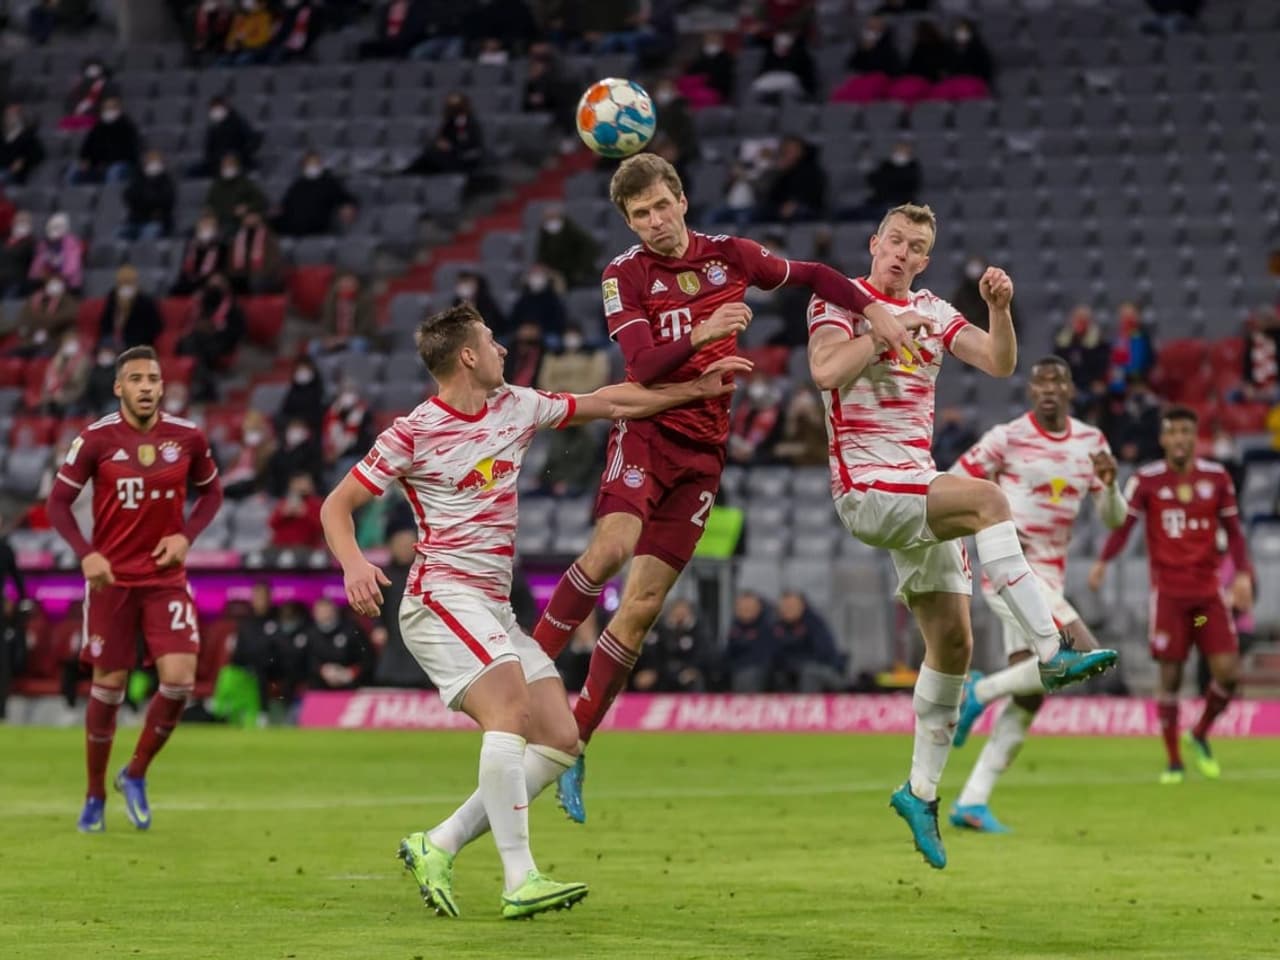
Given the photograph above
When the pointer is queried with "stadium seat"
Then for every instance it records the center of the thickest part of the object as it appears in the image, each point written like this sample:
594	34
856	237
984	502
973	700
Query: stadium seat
308	286
30	432
13	372
264	318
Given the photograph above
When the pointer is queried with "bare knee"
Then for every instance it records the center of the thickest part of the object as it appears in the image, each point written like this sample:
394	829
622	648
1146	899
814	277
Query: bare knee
638	612
605	556
991	505
560	733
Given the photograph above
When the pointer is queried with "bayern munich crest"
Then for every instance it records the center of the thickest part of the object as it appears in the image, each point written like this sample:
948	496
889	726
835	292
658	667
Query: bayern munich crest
716	275
170	452
633	477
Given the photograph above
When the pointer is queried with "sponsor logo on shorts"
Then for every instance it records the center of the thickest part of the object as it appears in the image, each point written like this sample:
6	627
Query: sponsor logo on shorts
633	477
497	639
612	298
716	274
688	282
1200	620
95	645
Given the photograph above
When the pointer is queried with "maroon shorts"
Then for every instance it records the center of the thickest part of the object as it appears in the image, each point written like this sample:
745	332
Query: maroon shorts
115	615
669	484
1178	624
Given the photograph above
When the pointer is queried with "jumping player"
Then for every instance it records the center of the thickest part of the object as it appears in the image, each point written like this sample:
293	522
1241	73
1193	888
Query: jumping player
1045	461
457	457
1184	501
674	304
889	494
140	461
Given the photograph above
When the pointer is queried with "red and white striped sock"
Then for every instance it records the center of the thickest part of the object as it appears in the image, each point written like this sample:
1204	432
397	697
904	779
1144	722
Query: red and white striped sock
611	664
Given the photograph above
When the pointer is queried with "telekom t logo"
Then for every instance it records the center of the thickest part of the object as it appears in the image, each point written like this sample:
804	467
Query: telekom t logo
1174	522
129	492
675	324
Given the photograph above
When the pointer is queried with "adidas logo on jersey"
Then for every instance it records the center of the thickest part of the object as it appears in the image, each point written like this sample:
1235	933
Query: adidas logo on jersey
120	455
658	287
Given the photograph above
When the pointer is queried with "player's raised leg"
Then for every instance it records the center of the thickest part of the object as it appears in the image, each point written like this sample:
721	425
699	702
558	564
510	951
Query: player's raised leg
960	506
943	619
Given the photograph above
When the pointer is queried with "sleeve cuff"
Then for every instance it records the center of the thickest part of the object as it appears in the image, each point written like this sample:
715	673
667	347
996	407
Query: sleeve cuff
365	481
569	411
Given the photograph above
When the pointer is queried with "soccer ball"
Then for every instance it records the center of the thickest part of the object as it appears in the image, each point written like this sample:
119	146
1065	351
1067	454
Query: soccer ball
616	117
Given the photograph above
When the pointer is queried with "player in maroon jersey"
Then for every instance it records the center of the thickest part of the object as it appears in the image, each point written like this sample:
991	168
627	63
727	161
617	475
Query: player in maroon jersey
674	304
1185	500
140	461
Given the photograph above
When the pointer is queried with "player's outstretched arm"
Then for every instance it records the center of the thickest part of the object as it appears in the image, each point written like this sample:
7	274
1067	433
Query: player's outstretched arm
994	351
631	401
836	358
362	581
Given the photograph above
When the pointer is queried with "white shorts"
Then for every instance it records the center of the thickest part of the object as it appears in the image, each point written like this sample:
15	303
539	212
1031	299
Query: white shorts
1015	640
458	635
888	509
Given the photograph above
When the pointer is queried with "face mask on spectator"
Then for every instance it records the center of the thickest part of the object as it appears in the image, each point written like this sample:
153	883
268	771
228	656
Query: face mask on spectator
295	436
869	36
174	404
537	282
347	398
126	291
13	123
759	391
711	48
69	348
782	43
206	232
303	375
230	172
106	358
900	158
20	229
554	225
56	229
154	168
55	288
665	95
93	71
973	269
963	35
253	437
217	114
312	171
110	116
466	289
573	342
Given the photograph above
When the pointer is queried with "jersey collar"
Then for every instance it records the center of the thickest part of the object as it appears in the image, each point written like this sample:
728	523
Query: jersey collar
1056	437
866	282
458	414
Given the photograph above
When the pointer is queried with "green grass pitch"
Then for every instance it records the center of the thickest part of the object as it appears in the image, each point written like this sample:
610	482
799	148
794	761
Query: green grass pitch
281	843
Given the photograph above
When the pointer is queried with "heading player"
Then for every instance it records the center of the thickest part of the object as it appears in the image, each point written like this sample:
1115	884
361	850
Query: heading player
674	304
1184	501
889	494
1046	462
457	457
140	461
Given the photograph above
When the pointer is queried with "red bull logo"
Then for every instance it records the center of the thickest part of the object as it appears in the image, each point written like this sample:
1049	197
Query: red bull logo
486	473
1055	489
907	363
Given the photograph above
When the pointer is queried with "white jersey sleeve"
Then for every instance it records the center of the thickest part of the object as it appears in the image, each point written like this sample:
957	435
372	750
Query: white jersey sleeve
391	457
545	409
824	313
986	458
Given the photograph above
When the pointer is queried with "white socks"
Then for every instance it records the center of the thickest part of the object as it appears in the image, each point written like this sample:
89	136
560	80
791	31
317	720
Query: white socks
1007	734
1002	561
541	766
937	705
1020	680
506	802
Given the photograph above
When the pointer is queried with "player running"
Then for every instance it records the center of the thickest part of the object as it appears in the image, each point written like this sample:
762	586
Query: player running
674	304
140	461
889	494
457	457
1185	500
1045	462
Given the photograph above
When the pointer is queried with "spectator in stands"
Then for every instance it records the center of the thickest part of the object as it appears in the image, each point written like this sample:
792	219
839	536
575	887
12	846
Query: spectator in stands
893	7
45	316
396	665
1132	352
59	254
807	655
573	467
966	297
739	206
617	27
1131	423
257	639
525	356
576	368
21	149
16	256
204	256
955	435
233	195
872	65
441	32
177	398
150	197
678	656
751	645
927	62
91	89
802	441
1081	344
473	288
1172	16
99	391
256	265
348	318
207	32
110	151
130	317
566	248
675	123
216	329
458	146
708	79
249	39
295	521
400	29
227	132
347	430
65	376
788	70
294	32
969	61
539	303
547	89
339	655
895	180
317	202
305	398
1261	373
42	18
247	471
754	419
798	190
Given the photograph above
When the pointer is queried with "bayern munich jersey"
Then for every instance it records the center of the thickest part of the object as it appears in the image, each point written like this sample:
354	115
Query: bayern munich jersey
459	472
1045	477
672	295
882	422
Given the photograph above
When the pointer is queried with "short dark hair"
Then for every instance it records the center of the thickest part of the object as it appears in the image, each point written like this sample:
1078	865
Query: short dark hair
135	353
1179	412
1053	360
443	334
637	174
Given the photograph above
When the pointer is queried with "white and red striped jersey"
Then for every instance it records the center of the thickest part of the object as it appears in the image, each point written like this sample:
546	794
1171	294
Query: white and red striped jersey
883	420
459	474
1046	477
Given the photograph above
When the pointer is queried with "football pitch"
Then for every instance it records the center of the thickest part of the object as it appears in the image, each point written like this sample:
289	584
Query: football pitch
280	844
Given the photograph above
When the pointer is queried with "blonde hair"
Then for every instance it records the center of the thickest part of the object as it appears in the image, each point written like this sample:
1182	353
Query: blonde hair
917	213
637	174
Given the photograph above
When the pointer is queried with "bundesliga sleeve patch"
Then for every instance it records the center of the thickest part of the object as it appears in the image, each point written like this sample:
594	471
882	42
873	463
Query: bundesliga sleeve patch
612	298
74	450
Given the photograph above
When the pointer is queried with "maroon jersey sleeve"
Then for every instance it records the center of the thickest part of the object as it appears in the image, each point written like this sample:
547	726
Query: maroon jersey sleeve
763	270
81	460
622	292
203	467
1229	517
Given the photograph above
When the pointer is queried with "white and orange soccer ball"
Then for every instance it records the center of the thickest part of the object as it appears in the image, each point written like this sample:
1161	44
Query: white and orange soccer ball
616	117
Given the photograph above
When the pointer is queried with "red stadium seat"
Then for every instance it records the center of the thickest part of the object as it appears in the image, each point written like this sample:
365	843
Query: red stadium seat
179	369
1177	359
308	286
32	431
70	427
89	317
1228	352
223	425
167	342
13	372
1244	417
264	319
